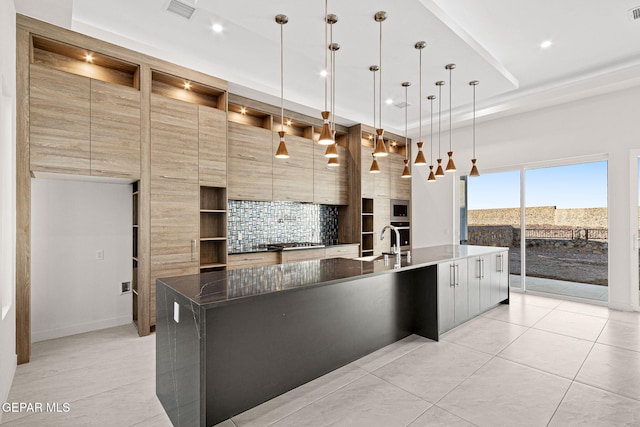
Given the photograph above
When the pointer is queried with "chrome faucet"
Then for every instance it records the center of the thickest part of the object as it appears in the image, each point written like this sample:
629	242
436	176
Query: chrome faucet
396	248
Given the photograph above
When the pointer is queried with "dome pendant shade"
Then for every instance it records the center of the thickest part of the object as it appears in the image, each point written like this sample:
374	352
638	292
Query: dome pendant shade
381	148
374	166
326	136
406	173
474	169
332	151
439	170
451	166
282	152
432	177
420	159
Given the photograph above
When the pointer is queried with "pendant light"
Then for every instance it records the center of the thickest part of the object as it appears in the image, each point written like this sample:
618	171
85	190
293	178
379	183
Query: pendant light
332	149
374	164
439	171
333	162
451	166
326	137
406	172
420	160
381	148
432	176
282	152
474	169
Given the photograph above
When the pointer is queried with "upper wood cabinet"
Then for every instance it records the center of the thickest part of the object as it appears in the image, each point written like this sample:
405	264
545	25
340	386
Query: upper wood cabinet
400	188
212	141
330	184
382	180
293	177
174	139
59	121
115	130
250	162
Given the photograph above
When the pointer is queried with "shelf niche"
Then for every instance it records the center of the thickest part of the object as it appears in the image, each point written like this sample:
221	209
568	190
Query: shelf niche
213	228
187	90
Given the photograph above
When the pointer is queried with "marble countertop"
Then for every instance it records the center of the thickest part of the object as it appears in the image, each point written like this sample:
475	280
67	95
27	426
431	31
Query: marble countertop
228	286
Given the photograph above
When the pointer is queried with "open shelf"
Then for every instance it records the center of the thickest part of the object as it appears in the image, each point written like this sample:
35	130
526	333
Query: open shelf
248	116
75	60
187	90
213	228
134	242
367	206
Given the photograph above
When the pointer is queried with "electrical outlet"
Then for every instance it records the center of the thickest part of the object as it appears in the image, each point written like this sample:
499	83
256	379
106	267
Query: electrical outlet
126	287
100	254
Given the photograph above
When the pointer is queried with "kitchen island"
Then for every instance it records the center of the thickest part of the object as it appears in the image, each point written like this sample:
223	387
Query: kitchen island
229	340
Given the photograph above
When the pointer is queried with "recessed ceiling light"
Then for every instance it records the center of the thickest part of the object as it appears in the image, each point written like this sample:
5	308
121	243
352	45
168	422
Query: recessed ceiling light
88	57
217	28
323	73
389	101
545	44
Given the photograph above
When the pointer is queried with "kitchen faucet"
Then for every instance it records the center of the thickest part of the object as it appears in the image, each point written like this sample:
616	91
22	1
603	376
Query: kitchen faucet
396	248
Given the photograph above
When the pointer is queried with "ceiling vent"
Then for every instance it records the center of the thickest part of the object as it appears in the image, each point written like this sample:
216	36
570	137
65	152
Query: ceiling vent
402	104
180	8
634	14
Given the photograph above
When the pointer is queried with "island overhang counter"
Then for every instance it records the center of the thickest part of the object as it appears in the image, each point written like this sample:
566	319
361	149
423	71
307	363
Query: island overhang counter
227	341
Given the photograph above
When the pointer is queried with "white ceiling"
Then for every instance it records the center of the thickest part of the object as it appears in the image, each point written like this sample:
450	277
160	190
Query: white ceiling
596	48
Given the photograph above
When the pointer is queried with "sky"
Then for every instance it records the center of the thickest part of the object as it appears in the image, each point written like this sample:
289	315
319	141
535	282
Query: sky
573	186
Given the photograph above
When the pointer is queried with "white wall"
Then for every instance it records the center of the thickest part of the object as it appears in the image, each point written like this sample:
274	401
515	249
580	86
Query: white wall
72	291
581	130
7	197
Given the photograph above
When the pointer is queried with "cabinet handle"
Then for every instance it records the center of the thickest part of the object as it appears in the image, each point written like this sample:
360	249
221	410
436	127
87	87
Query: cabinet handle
115	172
252	259
457	274
245	156
500	266
179	178
194	249
478	269
482	268
452	275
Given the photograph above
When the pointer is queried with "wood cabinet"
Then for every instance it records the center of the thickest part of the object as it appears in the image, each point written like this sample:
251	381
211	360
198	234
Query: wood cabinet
301	255
399	188
453	307
257	259
293	177
115	130
83	126
342	251
250	162
382	183
59	121
330	184
174	191
381	217
212	146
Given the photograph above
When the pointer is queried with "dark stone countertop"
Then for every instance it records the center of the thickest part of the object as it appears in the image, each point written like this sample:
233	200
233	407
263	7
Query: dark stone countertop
229	286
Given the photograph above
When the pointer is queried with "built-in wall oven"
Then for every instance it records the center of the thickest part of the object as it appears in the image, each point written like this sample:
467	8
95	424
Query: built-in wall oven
400	219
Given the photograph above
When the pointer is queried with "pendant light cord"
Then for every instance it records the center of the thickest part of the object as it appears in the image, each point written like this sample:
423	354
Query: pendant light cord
431	123
406	146
439	118
282	77
420	106
380	82
326	48
450	118
474	121
374	101
333	81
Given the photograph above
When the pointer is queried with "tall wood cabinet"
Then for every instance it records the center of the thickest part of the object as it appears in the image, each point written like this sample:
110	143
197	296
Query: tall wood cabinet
293	177
250	162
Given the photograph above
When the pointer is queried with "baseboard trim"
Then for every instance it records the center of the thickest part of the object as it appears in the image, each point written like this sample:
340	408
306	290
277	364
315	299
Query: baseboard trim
79	329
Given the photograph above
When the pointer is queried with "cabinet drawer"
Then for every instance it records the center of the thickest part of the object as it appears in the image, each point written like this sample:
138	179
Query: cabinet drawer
252	260
342	251
301	255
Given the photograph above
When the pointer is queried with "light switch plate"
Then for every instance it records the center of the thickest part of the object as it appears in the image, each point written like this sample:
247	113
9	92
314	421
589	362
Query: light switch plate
176	312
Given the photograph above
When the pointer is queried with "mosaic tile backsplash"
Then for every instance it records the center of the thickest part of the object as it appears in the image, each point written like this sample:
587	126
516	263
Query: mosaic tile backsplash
255	223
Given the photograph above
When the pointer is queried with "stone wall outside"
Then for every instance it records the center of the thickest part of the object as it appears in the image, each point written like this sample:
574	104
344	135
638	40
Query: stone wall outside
541	215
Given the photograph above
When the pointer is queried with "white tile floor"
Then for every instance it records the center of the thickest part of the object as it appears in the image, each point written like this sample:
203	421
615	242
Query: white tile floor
538	362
